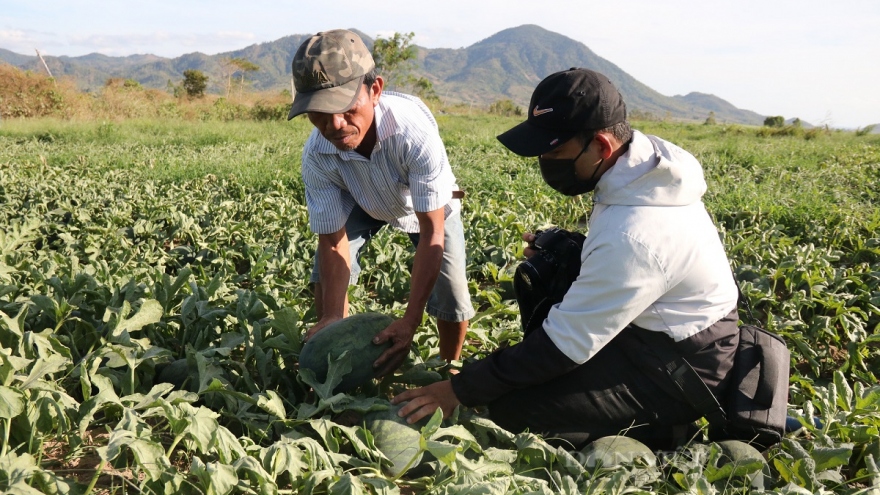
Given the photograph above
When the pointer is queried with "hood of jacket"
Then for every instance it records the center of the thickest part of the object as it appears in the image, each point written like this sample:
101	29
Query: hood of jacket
652	172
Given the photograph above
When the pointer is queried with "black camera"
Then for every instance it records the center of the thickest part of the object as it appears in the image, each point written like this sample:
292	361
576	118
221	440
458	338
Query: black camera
544	278
544	238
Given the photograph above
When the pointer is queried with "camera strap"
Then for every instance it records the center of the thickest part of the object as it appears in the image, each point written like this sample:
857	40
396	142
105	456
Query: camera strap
693	389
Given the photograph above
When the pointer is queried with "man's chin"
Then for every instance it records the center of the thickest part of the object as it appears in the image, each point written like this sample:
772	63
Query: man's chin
344	144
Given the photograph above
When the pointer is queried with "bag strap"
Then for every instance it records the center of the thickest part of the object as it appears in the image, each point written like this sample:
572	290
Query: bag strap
742	301
685	378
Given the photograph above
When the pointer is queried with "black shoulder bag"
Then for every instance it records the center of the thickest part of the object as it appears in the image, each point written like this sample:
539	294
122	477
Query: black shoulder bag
754	409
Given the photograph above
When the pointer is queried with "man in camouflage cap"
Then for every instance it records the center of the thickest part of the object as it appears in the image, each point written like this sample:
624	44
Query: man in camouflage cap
376	158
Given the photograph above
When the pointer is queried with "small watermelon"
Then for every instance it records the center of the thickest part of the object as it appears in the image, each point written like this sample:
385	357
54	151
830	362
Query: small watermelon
616	450
395	438
741	453
353	334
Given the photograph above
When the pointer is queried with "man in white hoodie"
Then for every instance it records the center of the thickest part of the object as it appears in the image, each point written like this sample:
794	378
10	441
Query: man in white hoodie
652	266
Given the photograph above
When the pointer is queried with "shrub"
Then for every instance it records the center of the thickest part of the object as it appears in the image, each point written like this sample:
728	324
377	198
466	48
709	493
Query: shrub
506	108
269	111
26	94
775	121
194	83
710	120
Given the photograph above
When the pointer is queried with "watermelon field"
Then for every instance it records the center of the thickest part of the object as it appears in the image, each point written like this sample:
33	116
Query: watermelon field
153	295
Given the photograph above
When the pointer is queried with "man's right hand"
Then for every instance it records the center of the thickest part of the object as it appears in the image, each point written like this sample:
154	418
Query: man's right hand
529	250
323	322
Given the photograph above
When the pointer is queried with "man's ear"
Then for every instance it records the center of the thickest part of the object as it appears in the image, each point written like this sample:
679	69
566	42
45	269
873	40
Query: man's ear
606	143
376	89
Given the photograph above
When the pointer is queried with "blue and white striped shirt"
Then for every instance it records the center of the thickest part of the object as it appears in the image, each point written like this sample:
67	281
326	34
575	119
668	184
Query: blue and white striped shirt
408	171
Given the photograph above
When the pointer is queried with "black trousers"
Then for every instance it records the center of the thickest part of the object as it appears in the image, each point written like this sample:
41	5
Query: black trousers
622	390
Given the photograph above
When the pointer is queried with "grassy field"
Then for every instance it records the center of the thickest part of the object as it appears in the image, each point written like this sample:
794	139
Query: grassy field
129	245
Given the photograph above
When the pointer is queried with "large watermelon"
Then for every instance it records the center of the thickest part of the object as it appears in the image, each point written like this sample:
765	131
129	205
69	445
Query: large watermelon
353	334
396	439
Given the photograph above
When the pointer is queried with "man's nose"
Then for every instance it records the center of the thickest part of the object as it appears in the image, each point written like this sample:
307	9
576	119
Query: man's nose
337	120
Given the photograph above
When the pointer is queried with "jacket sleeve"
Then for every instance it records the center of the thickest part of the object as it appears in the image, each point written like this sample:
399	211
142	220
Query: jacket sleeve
618	280
533	361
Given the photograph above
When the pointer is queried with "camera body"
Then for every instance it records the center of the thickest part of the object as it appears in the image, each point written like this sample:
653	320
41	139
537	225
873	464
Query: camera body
542	280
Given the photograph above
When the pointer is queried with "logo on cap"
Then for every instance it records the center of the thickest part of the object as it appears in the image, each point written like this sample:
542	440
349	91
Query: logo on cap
542	111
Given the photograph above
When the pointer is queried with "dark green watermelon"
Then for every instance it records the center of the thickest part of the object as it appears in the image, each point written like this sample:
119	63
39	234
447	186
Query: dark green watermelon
396	439
740	454
354	334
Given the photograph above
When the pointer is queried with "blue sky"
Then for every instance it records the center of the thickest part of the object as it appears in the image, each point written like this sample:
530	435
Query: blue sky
819	61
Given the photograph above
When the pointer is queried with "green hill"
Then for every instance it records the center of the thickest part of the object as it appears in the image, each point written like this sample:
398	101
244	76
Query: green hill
506	65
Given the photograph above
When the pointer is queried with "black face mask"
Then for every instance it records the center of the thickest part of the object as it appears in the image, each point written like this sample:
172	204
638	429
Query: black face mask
560	174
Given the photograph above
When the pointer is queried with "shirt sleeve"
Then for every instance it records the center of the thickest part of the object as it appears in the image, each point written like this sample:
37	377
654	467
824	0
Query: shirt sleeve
429	174
533	361
328	204
619	279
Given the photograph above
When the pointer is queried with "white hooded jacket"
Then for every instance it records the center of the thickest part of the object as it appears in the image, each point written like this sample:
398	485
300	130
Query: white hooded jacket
652	257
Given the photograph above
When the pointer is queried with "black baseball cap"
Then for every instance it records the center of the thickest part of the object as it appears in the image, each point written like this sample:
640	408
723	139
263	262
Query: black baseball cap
562	105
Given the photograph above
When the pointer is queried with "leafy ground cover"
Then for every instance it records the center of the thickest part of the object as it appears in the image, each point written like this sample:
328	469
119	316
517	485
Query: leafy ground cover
153	294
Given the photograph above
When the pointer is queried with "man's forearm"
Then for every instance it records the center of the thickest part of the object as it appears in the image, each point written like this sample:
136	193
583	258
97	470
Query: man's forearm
426	268
335	271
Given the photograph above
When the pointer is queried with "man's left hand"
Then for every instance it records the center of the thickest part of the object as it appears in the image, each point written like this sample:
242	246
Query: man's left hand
422	402
400	333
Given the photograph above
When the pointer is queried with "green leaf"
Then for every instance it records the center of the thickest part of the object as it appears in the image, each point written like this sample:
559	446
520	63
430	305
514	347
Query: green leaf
217	478
15	325
271	403
203	426
17	469
433	424
150	457
286	321
347	485
45	367
150	312
831	457
444	452
12	402
336	371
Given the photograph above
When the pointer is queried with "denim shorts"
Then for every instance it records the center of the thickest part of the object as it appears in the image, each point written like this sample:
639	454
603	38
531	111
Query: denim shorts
450	299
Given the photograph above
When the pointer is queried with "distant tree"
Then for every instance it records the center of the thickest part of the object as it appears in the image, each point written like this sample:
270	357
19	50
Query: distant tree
776	121
710	120
395	57
797	123
194	83
174	89
230	66
424	89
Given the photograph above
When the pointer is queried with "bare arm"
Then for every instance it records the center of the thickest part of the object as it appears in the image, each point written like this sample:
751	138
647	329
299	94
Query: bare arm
426	267
335	269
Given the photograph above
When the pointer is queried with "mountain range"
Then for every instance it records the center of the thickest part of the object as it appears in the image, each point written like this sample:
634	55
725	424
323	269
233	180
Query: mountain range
506	65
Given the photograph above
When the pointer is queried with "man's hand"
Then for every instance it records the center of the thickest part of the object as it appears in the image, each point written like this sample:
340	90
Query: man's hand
422	402
400	334
323	322
530	250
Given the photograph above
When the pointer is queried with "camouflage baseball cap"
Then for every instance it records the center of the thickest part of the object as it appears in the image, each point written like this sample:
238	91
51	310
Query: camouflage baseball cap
328	70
